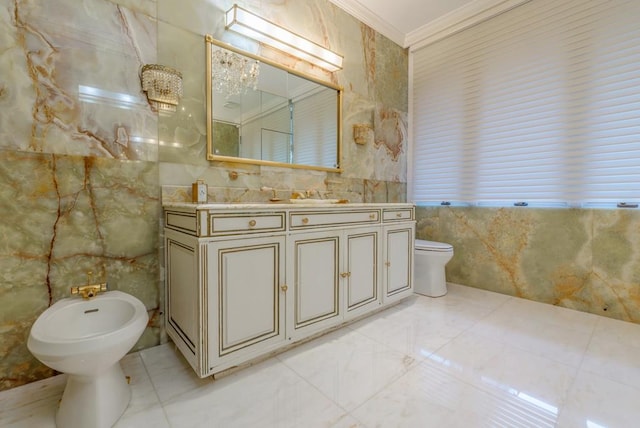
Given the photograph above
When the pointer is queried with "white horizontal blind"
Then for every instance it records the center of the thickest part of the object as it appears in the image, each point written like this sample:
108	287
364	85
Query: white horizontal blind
315	129
539	104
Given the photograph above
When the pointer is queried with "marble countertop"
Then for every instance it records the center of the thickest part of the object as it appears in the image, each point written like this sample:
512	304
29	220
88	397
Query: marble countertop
279	205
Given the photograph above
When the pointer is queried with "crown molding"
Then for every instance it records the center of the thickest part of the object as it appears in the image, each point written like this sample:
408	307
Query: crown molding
365	15
457	20
470	14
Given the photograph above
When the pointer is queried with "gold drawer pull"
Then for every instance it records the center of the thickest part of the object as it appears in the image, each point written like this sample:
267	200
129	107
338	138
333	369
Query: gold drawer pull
284	288
252	223
372	216
345	274
398	215
305	220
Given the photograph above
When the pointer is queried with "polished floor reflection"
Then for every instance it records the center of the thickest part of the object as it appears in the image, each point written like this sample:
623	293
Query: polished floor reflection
469	359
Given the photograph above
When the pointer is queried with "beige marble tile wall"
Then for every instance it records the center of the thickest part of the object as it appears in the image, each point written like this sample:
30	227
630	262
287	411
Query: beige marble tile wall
84	157
375	82
588	260
79	184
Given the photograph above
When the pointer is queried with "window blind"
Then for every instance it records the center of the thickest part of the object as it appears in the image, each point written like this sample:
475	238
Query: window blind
540	104
314	141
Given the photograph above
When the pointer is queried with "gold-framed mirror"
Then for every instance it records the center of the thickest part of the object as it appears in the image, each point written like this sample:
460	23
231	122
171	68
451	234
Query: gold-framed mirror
261	112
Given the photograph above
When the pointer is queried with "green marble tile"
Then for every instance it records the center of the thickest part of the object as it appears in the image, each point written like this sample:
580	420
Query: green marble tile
576	258
77	215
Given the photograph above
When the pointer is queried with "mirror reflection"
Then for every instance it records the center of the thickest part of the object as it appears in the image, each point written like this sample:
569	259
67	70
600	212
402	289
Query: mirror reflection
259	112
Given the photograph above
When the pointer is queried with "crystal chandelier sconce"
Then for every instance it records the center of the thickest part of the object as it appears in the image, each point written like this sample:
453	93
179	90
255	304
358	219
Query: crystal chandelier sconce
163	86
233	74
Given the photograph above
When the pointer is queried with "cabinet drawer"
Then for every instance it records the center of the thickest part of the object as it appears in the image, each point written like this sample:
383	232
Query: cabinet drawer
221	224
182	222
304	220
398	214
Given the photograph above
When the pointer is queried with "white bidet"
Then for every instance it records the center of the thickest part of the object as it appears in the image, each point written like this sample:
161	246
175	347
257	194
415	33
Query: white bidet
86	338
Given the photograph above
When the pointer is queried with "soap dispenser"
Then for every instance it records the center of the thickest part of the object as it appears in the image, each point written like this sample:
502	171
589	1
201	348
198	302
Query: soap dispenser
199	192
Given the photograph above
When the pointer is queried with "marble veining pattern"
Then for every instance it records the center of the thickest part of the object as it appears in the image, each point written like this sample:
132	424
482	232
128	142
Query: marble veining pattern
375	79
457	361
63	216
86	160
577	258
70	79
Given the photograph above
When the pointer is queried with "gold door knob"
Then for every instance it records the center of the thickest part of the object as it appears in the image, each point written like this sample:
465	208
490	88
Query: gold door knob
252	223
284	288
387	264
305	220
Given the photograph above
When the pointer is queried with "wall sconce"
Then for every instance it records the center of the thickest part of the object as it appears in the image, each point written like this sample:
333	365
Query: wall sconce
163	86
244	22
361	133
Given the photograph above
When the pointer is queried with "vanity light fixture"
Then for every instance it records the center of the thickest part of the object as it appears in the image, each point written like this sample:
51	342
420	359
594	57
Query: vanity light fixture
163	86
244	22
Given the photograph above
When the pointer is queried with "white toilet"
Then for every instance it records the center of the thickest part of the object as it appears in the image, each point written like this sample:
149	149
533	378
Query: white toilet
430	260
86	338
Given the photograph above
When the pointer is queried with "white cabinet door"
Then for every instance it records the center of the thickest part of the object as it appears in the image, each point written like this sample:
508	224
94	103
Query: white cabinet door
243	283
360	272
246	303
398	261
313	294
332	276
184	307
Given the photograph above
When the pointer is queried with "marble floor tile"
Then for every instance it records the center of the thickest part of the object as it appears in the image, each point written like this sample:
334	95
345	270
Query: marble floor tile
145	404
468	359
614	351
429	396
347	366
32	405
425	396
554	333
423	325
503	370
268	394
170	374
595	401
477	296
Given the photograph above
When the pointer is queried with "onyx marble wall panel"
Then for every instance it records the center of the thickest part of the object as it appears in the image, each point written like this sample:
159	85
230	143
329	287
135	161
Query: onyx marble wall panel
583	259
374	78
85	160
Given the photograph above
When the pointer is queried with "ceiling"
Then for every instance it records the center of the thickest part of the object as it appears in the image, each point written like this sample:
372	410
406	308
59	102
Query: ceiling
412	22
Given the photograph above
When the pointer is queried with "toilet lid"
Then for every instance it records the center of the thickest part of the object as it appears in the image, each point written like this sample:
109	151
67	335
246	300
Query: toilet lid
421	244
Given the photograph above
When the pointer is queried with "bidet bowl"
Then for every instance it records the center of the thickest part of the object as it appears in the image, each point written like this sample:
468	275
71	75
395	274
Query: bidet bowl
82	337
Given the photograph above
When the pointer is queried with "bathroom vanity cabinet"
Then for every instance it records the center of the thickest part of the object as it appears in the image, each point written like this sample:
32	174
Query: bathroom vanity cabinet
245	280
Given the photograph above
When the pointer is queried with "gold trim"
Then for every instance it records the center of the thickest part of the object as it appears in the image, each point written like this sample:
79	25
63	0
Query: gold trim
374	298
205	351
209	40
369	217
170	246
298	322
226	349
409	232
217	232
169	215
